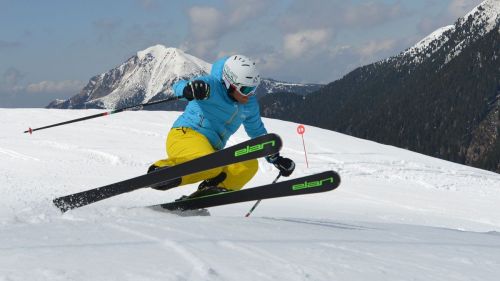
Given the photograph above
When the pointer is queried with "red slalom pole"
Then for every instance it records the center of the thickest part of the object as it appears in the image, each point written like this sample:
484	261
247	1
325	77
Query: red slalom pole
301	130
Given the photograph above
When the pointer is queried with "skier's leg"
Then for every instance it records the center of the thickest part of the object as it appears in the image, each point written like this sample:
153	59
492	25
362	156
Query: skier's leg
239	174
184	144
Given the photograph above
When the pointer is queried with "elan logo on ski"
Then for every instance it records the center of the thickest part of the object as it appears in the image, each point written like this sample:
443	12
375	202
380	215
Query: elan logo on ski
316	183
311	184
253	148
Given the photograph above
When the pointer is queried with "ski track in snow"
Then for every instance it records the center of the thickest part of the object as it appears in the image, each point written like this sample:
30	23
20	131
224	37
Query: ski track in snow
17	155
320	223
200	269
391	169
166	229
88	154
287	270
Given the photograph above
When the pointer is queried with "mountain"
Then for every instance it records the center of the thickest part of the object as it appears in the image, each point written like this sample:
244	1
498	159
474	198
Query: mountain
149	75
269	86
439	97
137	80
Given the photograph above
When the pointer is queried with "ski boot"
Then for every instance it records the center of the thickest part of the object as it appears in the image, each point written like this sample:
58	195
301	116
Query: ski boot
206	187
165	185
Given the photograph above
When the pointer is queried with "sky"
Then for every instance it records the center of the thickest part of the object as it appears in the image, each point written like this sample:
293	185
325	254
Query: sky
50	49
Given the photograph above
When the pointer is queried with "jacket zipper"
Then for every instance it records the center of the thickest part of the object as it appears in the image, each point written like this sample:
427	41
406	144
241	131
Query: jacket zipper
229	122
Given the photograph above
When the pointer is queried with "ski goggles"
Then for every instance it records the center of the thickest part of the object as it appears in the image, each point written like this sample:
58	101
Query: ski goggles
244	90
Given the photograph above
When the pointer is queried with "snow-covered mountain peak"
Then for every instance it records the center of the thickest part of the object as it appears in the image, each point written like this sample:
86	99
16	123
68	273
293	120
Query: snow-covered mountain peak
178	61
488	9
485	16
152	71
175	56
149	75
156	51
454	38
424	43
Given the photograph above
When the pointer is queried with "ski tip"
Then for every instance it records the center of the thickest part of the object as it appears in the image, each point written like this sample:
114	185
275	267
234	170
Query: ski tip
335	178
277	139
61	205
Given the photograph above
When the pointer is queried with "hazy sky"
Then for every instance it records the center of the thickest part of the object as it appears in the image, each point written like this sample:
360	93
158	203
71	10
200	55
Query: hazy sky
50	49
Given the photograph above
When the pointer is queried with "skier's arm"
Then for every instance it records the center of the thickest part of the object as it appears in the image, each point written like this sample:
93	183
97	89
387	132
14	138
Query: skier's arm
254	128
178	88
253	123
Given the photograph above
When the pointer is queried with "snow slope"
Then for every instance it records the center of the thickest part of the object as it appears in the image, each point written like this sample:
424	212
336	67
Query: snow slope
397	215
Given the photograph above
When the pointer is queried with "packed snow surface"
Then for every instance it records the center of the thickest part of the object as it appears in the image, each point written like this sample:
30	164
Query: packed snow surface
397	215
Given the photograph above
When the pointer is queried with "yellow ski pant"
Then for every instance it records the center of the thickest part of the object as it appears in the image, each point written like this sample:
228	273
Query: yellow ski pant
184	144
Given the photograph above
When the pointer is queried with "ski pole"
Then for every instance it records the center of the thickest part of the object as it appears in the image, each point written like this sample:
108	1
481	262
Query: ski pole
258	202
139	106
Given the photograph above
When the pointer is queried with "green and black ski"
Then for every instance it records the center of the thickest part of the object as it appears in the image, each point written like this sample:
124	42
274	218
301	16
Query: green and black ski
254	148
320	182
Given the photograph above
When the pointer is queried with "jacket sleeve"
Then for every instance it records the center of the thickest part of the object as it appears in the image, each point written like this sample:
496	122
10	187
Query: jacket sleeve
253	122
178	87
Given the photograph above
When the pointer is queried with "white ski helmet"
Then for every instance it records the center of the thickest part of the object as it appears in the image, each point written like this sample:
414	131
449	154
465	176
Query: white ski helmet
242	73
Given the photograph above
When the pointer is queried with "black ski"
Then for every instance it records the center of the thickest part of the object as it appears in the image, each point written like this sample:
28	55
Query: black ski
250	149
321	182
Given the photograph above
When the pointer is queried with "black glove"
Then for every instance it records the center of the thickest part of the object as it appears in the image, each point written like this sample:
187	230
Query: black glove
197	89
285	165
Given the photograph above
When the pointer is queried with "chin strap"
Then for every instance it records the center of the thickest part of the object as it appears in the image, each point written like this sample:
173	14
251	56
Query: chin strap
228	89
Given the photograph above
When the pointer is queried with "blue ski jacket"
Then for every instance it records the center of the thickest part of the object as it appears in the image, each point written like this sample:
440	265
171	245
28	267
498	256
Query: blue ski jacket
219	116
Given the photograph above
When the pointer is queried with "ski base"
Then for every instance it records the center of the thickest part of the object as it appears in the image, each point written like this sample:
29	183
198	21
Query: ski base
181	213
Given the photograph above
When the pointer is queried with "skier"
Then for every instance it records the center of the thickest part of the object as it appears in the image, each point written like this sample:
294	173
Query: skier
218	104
